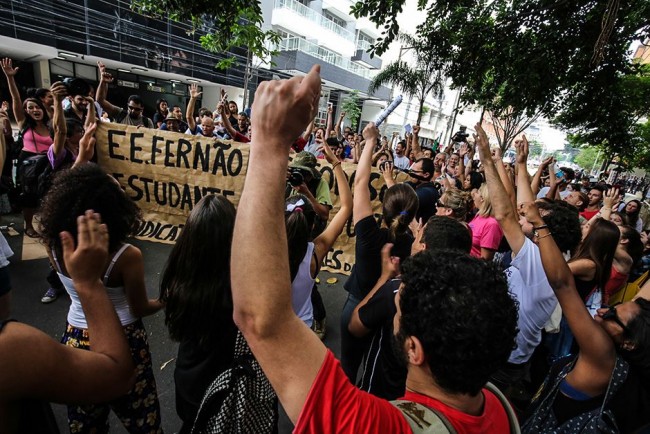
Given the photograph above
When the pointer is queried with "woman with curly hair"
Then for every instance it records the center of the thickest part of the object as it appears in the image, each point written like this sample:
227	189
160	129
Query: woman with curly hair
399	206
72	192
32	118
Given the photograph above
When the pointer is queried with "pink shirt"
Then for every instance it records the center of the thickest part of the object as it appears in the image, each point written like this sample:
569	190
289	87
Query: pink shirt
486	233
35	143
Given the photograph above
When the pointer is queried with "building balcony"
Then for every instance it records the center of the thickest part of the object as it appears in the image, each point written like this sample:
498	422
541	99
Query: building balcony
296	54
363	58
298	18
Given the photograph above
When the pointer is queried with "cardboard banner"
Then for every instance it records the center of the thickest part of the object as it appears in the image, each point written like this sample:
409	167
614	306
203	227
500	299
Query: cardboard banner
167	173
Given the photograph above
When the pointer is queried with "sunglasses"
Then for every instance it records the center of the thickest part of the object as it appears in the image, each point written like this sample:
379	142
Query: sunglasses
135	109
611	315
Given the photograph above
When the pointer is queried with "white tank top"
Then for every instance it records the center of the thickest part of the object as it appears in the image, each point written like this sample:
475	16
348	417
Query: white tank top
116	295
301	289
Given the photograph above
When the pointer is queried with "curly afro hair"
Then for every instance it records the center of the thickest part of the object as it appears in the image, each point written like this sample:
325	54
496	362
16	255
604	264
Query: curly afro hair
563	222
82	188
460	309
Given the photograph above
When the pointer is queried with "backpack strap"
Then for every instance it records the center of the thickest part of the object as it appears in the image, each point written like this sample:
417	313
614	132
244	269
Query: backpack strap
512	416
423	419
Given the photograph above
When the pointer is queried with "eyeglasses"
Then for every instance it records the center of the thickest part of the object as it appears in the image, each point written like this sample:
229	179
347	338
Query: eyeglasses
135	109
611	315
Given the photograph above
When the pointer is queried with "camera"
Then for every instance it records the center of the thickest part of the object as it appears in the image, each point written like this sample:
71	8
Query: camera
76	86
296	177
384	165
460	135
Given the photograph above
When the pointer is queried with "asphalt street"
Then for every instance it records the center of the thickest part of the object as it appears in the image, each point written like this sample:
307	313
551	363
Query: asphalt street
29	284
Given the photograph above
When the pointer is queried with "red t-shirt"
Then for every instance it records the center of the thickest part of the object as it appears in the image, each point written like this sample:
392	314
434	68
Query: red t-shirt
334	405
589	214
239	137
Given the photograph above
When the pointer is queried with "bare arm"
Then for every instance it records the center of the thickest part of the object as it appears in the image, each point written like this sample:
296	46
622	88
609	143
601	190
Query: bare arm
308	130
289	353
415	142
86	146
16	102
337	127
324	242
501	204
505	178
58	121
362	204
328	122
537	178
597	355
524	191
389	269
46	369
131	266
189	112
102	90
226	121
91	117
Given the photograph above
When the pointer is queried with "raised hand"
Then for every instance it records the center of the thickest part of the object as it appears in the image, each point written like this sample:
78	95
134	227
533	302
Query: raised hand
221	108
370	133
7	67
284	108
611	198
330	109
496	155
547	162
417	229
194	91
386	170
531	212
482	143
416	130
87	144
464	150
522	150
104	75
86	262
5	106
59	91
329	154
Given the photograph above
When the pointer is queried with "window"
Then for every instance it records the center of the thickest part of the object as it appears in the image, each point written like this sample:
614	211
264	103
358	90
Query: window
364	41
333	18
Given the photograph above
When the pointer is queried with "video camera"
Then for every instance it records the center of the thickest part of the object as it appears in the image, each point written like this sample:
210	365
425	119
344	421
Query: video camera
296	177
460	136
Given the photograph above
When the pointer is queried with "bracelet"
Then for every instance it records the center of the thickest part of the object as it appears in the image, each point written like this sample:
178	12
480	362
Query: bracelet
338	163
540	227
544	236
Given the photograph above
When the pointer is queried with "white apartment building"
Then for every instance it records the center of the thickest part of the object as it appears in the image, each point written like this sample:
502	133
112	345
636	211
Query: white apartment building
324	32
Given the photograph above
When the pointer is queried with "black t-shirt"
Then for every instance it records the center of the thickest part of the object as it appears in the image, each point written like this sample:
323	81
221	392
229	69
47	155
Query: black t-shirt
428	198
382	375
370	238
197	368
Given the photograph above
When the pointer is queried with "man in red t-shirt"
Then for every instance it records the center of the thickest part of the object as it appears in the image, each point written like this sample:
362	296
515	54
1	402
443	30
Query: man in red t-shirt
455	323
595	197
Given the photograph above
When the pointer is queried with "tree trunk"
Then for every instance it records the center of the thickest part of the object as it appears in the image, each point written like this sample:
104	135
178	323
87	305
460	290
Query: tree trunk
420	111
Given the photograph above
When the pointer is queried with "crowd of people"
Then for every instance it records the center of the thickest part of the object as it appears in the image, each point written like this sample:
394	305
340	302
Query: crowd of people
483	299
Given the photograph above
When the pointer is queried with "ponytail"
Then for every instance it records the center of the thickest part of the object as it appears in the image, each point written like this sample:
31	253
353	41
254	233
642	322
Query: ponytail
299	218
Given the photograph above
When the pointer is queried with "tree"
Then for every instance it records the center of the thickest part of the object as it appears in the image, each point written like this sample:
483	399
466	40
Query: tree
350	106
587	158
508	125
224	25
419	80
531	57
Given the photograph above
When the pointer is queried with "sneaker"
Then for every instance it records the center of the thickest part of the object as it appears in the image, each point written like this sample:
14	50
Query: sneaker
320	328
49	296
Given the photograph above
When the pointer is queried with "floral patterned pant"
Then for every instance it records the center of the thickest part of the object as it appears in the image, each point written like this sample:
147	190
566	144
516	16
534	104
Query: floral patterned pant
139	410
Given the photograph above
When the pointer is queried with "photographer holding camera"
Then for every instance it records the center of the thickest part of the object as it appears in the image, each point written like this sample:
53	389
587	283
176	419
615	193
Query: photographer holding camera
421	173
304	178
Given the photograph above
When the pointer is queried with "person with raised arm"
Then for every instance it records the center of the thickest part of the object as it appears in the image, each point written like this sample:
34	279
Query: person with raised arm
35	369
526	277
32	119
311	386
605	387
